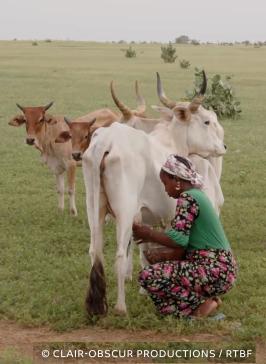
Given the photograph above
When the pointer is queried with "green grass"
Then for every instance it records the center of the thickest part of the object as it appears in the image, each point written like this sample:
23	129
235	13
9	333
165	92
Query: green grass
11	356
44	260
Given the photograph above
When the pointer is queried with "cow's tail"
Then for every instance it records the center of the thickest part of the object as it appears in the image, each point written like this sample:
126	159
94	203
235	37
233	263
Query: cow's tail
96	302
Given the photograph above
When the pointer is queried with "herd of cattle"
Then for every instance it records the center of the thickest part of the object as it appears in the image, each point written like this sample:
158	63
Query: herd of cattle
122	153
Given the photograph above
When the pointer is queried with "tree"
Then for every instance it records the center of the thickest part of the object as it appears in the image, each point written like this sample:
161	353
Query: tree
168	53
130	53
195	42
183	39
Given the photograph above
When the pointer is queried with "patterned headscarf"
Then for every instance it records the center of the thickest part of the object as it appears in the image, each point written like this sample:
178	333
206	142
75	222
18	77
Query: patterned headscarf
176	168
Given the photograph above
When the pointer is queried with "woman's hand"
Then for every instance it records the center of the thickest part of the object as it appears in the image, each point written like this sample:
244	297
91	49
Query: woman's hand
152	256
142	232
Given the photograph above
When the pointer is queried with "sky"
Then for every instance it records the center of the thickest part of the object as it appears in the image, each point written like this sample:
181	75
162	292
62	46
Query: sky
134	20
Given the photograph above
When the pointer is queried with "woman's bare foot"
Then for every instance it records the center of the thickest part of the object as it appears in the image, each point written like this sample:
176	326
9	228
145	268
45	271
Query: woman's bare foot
218	300
206	308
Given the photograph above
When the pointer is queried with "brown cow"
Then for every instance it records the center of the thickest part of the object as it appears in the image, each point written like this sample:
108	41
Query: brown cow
42	130
81	129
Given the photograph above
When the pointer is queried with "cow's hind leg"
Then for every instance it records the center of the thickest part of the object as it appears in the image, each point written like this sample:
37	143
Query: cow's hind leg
124	233
60	185
71	176
96	301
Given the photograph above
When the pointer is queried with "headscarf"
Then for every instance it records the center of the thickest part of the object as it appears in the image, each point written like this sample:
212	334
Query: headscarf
176	168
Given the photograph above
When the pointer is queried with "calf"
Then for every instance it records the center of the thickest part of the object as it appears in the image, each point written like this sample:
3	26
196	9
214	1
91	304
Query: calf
42	130
81	129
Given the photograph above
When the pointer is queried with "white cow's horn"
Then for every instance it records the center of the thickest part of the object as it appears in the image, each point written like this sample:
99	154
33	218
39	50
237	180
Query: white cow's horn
122	107
161	94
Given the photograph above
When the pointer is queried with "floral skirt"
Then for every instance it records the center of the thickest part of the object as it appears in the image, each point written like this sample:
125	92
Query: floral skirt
179	287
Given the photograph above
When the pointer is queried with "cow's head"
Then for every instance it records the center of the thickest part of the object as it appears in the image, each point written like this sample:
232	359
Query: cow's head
204	134
80	134
34	119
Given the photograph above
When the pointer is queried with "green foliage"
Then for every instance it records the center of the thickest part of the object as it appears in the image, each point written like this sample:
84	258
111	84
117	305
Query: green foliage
34	43
48	40
184	63
130	53
168	53
219	95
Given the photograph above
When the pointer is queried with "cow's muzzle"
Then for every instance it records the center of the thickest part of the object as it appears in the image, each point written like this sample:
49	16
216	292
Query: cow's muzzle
77	156
30	141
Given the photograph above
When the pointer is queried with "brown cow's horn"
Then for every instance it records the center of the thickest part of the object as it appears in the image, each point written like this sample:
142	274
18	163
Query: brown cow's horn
198	99
68	121
122	107
91	122
140	100
20	107
46	107
164	100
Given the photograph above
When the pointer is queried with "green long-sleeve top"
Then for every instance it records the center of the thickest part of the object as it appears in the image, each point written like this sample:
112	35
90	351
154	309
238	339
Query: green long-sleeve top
196	224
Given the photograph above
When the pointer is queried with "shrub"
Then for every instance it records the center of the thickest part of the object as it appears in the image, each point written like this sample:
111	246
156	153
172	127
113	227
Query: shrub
34	43
219	95
184	63
48	40
130	53
168	53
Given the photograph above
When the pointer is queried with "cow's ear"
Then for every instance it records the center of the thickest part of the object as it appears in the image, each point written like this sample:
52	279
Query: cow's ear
50	119
165	113
63	137
182	113
17	120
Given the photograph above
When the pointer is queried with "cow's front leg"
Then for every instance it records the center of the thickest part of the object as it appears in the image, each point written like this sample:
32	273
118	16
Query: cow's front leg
71	176
129	271
60	185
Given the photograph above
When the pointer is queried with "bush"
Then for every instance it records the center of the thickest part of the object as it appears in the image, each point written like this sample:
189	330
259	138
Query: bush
184	63
34	43
168	53
48	40
130	53
219	95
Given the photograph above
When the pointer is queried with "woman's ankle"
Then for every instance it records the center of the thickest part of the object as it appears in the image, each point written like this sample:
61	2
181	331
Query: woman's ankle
206	308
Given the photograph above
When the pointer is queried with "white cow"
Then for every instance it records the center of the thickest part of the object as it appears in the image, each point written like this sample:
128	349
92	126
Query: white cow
210	168
121	173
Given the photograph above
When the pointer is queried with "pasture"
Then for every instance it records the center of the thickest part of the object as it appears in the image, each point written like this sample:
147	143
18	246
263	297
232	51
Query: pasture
44	261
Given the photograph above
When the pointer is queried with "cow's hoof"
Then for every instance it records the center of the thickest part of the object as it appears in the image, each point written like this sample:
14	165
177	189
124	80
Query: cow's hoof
143	291
129	276
74	212
120	311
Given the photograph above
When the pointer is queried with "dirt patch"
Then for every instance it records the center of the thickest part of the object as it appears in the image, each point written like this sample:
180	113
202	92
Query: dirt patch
22	339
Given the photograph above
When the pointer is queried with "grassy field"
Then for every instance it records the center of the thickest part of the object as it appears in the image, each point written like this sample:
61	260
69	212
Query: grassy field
44	260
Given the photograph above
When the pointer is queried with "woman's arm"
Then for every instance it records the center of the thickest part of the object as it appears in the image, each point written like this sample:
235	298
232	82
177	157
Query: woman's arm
145	233
163	254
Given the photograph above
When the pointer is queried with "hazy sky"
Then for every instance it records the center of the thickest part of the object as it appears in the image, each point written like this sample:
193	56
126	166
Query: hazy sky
106	20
